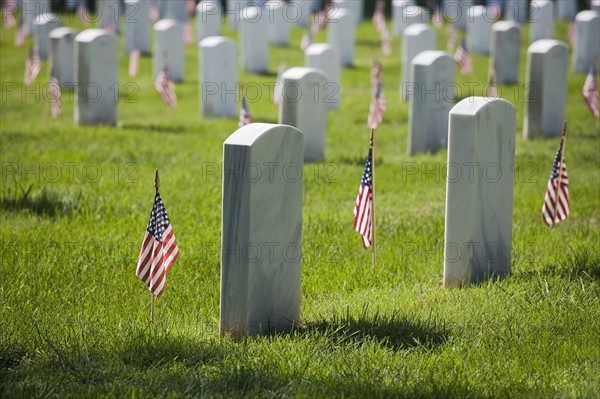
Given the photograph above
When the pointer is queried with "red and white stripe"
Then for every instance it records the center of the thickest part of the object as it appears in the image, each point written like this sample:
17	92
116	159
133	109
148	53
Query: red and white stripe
156	258
134	62
562	206
32	66
166	88
590	93
362	215
55	97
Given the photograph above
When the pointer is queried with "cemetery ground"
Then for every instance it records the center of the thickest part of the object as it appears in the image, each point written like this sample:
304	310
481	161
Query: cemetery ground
74	319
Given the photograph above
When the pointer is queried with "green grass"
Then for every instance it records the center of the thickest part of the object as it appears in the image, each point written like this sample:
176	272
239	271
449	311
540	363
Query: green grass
74	318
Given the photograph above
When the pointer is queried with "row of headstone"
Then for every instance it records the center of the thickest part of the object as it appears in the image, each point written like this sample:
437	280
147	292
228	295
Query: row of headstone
406	13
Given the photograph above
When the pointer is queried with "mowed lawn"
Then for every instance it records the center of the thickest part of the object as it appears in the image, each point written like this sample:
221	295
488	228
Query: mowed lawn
74	319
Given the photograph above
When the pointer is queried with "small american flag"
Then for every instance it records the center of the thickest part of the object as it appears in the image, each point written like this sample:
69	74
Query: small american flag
21	35
386	42
364	201
32	65
464	59
188	34
166	88
451	38
552	206
245	117
306	39
54	95
9	13
379	15
378	107
590	92
82	13
492	91
438	19
153	11
278	90
159	249
319	20
572	32
190	7
134	62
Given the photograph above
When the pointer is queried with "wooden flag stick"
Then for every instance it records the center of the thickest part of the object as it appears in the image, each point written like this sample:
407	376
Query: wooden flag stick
373	220
560	169
153	306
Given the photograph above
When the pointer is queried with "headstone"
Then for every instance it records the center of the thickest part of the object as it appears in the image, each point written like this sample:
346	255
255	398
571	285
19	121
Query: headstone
545	88
176	9
414	15
208	19
505	51
303	107
43	24
325	57
300	11
136	22
169	48
586	46
97	77
516	10
234	11
254	47
398	19
456	12
218	77
279	23
31	9
108	14
565	9
479	27
479	191
595	6
356	7
341	35
417	38
541	20
62	46
261	230
431	99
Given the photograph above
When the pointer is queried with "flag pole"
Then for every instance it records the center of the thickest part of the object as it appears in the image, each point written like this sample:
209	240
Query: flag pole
153	306
373	223
560	169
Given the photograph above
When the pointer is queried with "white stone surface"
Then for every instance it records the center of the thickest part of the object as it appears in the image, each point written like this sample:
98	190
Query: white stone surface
545	88
565	10
456	12
43	24
303	107
479	191
279	23
175	9
479	28
431	99
261	230
417	38
31	9
586	46
62	46
505	51
516	10
595	6
355	6
300	12
218	77
97	77
136	22
208	19
234	11
325	57
342	35
541	20
108	13
169	48
398	21
254	46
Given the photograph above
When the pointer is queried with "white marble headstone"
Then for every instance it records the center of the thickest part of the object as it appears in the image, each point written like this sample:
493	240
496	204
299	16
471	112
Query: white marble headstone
31	9
505	51
399	23
586	46
431	100
279	23
479	191
356	7
565	10
300	11
136	22
303	107
208	19
325	57
254	45
43	24
97	77
342	35
218	77
541	20
108	14
595	5
261	230
62	46
417	38
479	27
175	9
169	48
545	88
234	11
456	12
516	10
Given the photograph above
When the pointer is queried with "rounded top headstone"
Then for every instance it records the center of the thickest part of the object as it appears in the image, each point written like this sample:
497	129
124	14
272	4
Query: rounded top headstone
165	24
300	72
416	29
62	32
545	45
214	41
89	35
45	18
474	105
429	57
341	13
505	26
319	48
251	14
585	16
252	133
476	11
207	5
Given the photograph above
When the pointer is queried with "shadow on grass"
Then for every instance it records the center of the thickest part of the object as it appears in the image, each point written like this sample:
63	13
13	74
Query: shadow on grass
151	127
358	160
573	265
392	331
43	203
